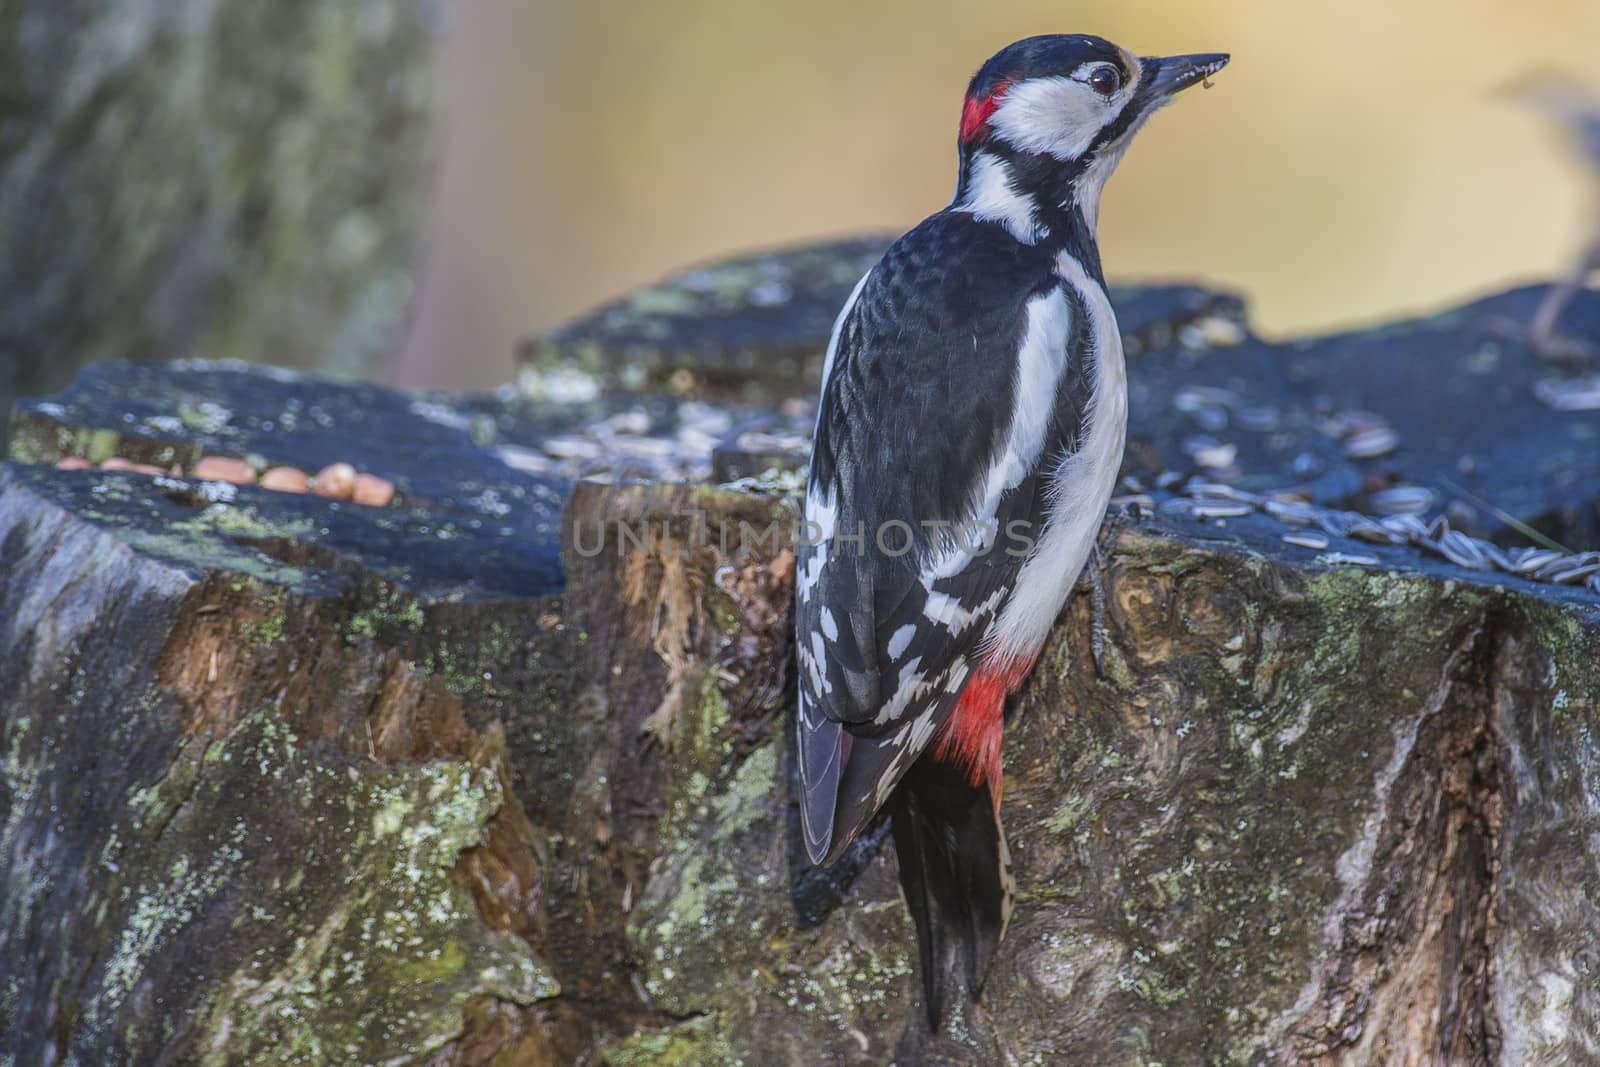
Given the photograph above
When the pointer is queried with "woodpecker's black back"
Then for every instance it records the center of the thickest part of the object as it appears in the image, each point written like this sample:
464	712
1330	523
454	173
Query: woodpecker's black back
926	367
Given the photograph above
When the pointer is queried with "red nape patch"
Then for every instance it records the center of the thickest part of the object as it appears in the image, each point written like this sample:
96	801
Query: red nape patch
970	737
979	110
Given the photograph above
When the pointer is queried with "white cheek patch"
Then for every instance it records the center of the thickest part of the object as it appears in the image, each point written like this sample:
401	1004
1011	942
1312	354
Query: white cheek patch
1056	117
1062	116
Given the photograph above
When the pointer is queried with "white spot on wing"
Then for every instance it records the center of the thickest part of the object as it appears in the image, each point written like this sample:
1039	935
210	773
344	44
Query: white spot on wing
822	513
958	675
816	666
900	640
830	625
946	610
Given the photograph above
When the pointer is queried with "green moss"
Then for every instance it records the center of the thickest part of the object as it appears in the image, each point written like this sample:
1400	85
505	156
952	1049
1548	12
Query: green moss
267	631
388	611
99	445
348	941
692	1044
1282	720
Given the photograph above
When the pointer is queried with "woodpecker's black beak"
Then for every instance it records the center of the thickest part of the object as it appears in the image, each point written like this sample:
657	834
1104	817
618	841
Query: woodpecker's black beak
1163	76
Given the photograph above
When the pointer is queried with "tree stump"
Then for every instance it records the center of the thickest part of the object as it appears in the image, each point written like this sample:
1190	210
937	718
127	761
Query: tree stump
501	771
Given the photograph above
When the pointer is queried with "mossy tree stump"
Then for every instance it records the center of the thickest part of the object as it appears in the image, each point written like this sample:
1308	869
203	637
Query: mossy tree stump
501	772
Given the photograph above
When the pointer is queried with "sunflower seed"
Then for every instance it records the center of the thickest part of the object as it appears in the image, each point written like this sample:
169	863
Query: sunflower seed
1402	500
1177	506
1371	443
1292	512
1374	532
1213	331
1168	479
1221	491
1196	397
570	447
1335	559
1339	523
1306	540
1531	559
1209	452
1207	509
1569	568
1463	551
1409	526
1496	555
1351	420
634	422
1218	458
1569	394
762	441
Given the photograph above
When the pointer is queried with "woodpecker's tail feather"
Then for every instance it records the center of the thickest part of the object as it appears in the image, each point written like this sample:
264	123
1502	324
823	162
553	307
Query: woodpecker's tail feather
955	872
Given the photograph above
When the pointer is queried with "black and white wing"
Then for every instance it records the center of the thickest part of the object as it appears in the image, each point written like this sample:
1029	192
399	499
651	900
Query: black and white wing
951	393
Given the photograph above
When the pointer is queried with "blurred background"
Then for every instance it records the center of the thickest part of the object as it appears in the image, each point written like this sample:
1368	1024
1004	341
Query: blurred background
1355	161
404	188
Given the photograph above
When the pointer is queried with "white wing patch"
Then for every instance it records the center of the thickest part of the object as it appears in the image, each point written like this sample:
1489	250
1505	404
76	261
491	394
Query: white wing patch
1080	487
1041	364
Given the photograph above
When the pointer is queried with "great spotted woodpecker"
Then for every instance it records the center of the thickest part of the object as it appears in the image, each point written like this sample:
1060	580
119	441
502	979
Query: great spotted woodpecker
971	425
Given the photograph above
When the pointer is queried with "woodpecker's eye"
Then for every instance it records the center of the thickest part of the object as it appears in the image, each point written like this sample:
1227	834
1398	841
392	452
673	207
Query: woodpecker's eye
1105	80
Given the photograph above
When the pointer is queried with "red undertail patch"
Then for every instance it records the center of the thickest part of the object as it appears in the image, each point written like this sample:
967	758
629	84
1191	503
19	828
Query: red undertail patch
970	738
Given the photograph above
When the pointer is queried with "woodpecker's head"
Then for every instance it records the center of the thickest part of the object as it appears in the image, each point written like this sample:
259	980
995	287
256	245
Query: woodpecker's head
1048	118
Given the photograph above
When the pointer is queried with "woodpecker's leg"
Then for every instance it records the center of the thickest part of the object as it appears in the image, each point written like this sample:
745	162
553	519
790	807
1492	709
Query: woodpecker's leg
1097	625
1094	571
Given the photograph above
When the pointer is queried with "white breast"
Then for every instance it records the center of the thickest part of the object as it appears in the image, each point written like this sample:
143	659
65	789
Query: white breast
1080	487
